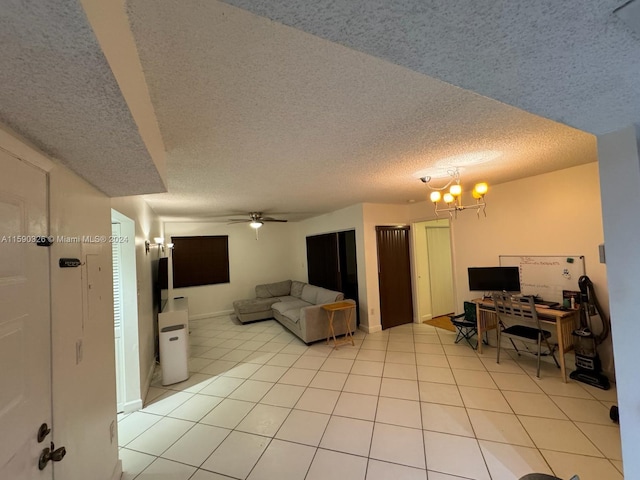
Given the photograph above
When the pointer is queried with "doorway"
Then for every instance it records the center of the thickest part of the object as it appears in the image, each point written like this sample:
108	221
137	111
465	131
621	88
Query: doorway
394	276
125	313
25	320
331	263
433	269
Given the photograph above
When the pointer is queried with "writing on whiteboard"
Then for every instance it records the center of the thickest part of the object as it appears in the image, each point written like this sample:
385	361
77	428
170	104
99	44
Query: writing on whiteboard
535	261
533	285
546	275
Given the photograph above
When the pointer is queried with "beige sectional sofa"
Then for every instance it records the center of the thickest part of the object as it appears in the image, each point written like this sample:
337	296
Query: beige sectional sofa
296	305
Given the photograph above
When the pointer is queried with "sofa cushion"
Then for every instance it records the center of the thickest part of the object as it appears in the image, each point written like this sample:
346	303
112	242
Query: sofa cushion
318	295
327	296
278	289
253	305
285	307
309	293
293	315
296	288
286	298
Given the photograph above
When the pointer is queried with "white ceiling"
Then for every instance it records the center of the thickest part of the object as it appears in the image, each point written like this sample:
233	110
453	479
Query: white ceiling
57	90
303	107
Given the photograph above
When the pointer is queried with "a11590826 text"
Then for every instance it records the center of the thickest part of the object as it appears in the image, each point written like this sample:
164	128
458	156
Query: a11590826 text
63	239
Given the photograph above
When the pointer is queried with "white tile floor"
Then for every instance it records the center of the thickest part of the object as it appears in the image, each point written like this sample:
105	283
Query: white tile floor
403	404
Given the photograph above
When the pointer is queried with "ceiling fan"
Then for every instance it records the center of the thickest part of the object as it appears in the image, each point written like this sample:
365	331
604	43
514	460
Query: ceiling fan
255	220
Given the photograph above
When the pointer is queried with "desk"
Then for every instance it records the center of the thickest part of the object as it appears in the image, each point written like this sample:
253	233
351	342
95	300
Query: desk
347	308
565	323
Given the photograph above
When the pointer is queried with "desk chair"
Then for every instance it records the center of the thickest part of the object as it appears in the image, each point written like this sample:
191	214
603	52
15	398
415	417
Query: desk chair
515	317
466	324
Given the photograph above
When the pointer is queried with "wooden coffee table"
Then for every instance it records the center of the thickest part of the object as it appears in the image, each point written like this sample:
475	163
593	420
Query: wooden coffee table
347	309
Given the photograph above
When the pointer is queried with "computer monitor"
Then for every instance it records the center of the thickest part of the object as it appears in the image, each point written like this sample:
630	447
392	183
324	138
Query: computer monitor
494	279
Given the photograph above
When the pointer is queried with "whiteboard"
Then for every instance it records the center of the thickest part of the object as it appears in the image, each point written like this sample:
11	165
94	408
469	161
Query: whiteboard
546	276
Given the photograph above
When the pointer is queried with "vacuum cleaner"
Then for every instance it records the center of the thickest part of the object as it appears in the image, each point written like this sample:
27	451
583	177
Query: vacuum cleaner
588	365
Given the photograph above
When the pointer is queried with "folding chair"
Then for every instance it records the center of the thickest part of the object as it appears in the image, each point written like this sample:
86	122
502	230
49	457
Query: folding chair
518	320
466	324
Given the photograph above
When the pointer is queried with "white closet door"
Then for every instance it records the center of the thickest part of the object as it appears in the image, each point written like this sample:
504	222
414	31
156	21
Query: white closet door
440	271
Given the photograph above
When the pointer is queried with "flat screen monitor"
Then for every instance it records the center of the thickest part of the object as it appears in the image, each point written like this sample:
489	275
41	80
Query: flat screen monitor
494	279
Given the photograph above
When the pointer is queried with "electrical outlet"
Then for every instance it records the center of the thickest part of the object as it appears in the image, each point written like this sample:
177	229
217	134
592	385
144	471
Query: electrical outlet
112	430
79	351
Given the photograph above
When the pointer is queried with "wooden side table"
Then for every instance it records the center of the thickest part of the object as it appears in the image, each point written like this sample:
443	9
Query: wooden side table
347	309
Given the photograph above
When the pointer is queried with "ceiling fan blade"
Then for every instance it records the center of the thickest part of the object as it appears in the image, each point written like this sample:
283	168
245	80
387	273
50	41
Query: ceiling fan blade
237	220
269	219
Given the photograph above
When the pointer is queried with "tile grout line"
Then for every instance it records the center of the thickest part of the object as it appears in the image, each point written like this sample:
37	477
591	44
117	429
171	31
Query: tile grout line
387	339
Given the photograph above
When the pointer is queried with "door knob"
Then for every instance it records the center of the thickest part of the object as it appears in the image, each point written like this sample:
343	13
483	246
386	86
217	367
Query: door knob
54	454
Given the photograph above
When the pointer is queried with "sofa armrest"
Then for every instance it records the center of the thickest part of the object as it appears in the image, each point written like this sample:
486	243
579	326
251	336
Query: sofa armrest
314	322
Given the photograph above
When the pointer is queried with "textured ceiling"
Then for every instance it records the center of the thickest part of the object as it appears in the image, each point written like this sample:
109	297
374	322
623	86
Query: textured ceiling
306	106
256	115
573	61
57	90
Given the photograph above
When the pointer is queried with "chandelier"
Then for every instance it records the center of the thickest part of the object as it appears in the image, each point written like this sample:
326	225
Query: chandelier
453	198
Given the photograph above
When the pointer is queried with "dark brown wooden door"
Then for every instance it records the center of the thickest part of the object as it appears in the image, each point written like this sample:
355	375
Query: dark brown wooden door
394	276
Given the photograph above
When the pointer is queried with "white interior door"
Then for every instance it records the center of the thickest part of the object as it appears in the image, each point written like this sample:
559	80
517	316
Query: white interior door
25	322
440	271
117	317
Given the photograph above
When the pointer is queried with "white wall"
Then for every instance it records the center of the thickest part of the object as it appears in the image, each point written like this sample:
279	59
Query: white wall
147	226
363	218
377	215
618	154
251	262
84	397
349	218
557	213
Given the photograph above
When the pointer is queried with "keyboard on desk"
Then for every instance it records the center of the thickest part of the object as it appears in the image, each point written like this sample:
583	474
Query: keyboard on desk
543	303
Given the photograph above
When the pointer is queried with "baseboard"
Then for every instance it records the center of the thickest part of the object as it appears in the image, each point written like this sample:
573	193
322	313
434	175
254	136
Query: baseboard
117	471
201	316
370	329
147	383
133	406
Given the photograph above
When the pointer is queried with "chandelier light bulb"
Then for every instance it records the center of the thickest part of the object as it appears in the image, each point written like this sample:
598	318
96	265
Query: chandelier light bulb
481	188
453	198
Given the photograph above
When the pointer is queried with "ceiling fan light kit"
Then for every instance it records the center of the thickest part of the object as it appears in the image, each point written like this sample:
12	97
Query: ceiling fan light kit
256	220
